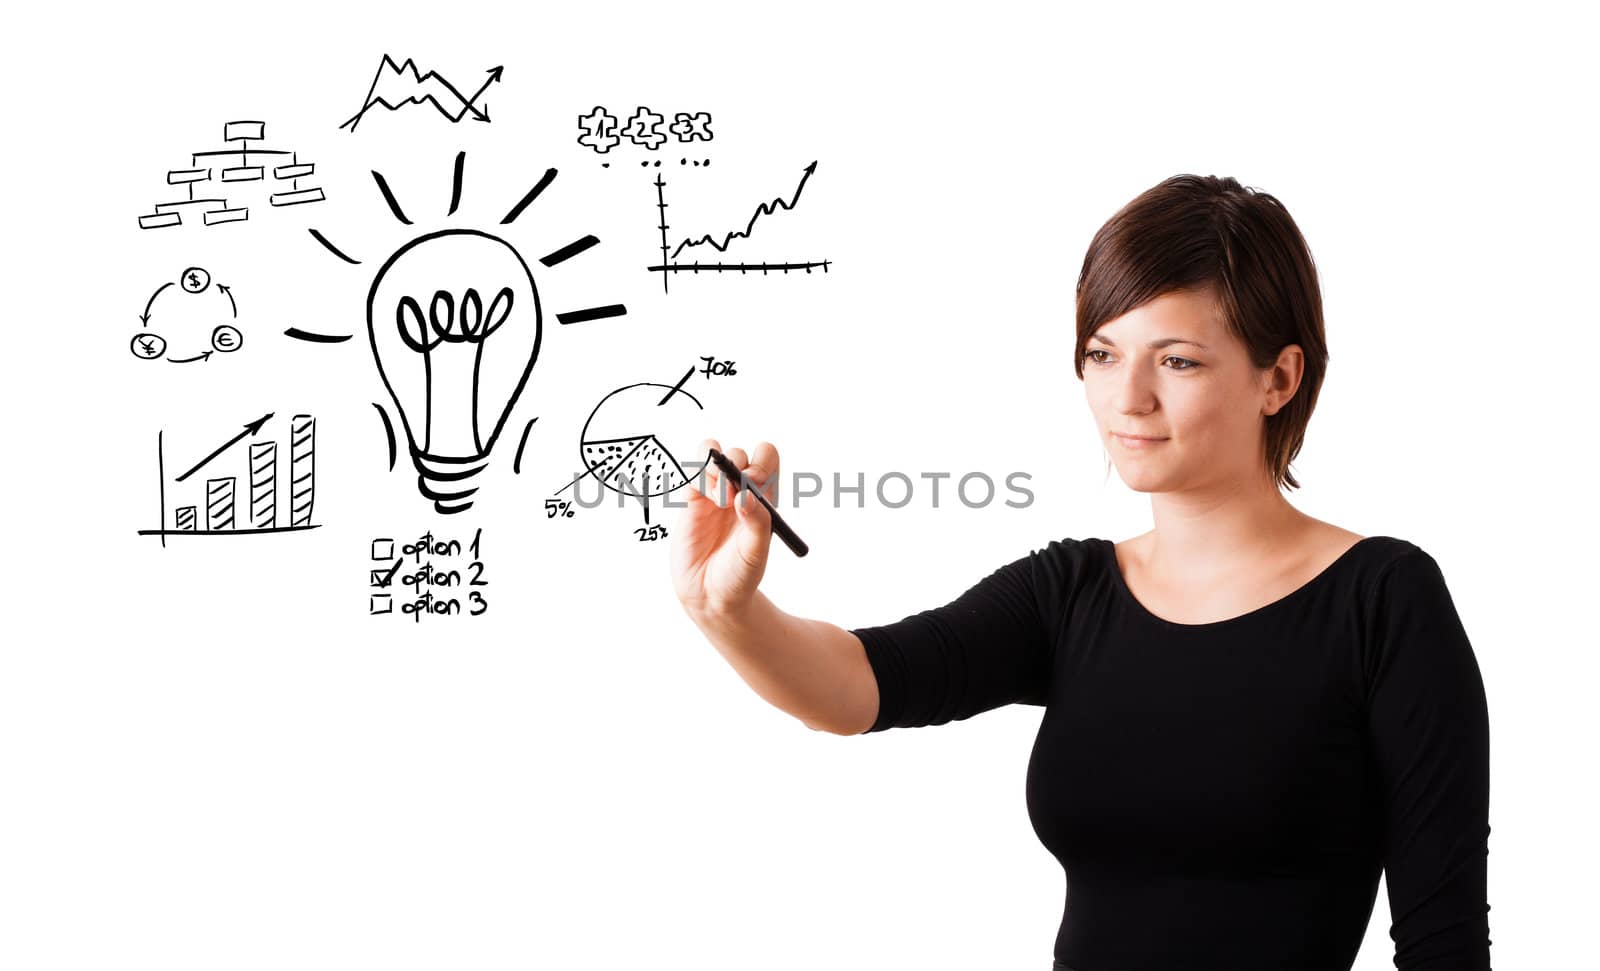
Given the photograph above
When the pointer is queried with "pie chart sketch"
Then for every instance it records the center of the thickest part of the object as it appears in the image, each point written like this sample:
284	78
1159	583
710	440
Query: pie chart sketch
624	442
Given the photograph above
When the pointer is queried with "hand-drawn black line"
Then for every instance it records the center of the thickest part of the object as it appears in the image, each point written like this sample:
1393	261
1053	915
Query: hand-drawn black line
388	432
221	505
516	465
677	387
217	211
533	193
250	428
402	84
144	317
192	282
161	474
388	197
624	463
455	323
668	266
592	313
336	251
568	251
455	183
305	335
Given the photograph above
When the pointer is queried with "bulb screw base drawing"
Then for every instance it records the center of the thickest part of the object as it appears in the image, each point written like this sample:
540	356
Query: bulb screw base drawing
446	479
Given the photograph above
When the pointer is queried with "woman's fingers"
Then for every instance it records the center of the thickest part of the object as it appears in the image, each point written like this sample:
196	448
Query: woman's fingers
763	470
730	492
711	473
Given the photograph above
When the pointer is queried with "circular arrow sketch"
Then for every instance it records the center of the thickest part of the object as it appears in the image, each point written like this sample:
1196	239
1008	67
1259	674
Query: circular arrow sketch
200	317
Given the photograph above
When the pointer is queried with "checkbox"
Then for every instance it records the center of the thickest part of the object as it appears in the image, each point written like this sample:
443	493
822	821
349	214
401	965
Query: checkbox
381	603
383	549
380	578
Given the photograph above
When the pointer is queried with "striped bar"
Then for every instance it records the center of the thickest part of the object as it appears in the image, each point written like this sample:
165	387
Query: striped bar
296	198
298	171
219	503
214	216
302	468
264	485
159	220
186	518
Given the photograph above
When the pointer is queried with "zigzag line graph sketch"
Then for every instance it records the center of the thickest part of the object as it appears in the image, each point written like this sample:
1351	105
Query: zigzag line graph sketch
214	211
398	85
669	254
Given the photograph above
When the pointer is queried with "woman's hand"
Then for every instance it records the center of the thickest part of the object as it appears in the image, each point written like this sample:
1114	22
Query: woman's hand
719	553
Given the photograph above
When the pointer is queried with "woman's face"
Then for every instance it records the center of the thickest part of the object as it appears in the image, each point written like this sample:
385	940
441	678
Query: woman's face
1170	369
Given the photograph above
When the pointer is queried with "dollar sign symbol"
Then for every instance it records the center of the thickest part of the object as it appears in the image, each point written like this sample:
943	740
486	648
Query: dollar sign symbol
194	280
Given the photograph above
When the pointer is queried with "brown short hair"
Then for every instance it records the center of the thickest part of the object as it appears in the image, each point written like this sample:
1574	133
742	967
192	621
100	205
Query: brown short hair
1195	232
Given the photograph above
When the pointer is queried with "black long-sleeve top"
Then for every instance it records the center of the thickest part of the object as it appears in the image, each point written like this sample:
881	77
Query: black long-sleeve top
1224	795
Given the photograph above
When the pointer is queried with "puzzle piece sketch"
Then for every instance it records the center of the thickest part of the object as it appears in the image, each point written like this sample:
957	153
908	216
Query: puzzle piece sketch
599	130
691	127
644	128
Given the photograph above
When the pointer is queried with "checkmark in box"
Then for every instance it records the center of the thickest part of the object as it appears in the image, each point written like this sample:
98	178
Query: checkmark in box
381	603
383	549
382	578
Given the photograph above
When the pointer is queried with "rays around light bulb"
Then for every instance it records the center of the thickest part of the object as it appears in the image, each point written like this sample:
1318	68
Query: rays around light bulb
455	322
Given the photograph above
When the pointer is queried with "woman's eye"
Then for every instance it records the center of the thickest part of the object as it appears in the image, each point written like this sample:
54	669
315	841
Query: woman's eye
1184	364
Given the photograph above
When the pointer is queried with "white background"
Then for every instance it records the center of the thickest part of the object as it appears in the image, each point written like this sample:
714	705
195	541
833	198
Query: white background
213	758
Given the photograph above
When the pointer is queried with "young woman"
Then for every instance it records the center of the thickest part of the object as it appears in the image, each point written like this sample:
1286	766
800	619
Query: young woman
1249	713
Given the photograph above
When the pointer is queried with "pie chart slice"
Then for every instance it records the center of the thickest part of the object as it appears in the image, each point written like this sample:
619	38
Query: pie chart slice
639	465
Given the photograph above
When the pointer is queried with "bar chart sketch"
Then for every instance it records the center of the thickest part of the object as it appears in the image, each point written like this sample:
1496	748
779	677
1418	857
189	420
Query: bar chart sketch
241	162
268	487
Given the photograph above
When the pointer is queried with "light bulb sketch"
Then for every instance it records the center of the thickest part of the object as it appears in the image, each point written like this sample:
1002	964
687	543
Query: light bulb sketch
456	325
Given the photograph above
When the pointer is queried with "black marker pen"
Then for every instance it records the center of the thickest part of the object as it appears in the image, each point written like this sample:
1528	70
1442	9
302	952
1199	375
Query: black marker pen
781	528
